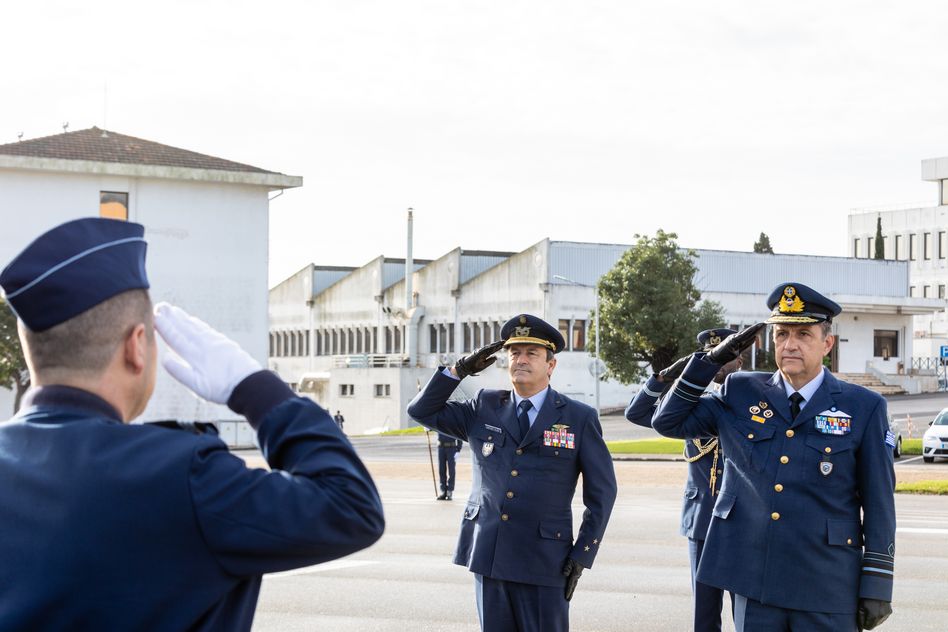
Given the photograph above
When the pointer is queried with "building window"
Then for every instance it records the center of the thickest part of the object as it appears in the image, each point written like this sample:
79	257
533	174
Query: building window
398	340
451	345
433	338
912	291
898	248
927	246
912	255
941	291
467	336
113	205
564	331
442	338
476	335
870	244
941	244
579	335
885	343
347	390
926	289
271	344
383	390
855	248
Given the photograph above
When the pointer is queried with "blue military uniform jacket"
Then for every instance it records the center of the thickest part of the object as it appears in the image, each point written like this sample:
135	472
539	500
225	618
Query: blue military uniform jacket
109	526
518	524
806	516
698	498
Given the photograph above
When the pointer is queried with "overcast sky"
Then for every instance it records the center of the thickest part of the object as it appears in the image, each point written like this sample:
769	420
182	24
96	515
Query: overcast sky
502	123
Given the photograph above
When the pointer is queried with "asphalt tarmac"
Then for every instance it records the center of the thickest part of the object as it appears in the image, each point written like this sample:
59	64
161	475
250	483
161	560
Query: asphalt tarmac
406	582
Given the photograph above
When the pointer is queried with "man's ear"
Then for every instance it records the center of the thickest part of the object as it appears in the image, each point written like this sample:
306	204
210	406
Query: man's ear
136	349
552	366
828	343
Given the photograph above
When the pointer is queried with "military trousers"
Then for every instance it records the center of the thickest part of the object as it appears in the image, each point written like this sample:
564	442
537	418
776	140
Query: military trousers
504	606
707	601
447	467
752	616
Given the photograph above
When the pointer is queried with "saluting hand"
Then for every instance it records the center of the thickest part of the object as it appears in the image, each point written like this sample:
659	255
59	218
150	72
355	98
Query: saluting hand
479	360
735	344
205	360
672	371
572	571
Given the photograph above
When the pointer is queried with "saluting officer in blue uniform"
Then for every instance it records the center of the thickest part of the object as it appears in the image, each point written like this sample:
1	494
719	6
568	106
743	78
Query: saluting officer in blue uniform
803	530
529	445
110	526
448	448
705	469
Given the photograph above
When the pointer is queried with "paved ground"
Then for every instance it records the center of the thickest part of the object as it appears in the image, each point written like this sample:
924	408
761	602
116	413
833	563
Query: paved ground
640	580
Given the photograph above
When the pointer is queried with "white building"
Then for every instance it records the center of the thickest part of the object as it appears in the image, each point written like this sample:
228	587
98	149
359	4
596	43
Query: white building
356	342
915	234
206	223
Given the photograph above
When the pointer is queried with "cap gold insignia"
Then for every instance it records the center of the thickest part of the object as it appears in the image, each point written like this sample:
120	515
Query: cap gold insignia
523	320
790	303
521	332
714	340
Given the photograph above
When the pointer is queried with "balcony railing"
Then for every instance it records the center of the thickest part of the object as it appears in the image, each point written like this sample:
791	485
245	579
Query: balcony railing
369	361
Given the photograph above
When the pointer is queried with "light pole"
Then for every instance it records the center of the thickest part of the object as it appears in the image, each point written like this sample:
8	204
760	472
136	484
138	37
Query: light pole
597	363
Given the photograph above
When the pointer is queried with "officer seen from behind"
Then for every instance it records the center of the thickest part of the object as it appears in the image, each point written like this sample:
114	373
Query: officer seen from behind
528	445
448	449
803	530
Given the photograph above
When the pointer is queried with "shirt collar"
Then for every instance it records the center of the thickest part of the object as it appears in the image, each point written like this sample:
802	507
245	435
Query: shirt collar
537	400
67	397
809	389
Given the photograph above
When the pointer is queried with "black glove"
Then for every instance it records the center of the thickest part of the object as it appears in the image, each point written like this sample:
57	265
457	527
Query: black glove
872	612
735	344
671	372
479	360
572	570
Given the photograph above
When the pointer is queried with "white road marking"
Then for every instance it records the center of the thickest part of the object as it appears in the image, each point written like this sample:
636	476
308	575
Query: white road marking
319	568
921	530
904	461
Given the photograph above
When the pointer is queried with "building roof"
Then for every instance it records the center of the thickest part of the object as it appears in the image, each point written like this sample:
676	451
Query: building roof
96	149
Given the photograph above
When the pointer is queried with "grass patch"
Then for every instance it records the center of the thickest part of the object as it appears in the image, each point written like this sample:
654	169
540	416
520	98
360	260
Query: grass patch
939	488
911	447
404	431
646	446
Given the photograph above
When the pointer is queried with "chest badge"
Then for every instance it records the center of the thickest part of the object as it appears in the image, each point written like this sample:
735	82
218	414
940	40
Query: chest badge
558	437
833	422
826	467
487	449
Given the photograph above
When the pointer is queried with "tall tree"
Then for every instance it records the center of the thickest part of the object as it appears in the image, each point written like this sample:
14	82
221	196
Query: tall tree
880	241
650	309
13	373
762	245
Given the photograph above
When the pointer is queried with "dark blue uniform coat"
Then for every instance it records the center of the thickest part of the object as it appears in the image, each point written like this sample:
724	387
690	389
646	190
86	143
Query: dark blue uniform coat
518	525
787	530
109	526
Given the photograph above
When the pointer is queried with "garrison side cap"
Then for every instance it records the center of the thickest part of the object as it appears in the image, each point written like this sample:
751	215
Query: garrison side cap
797	304
530	330
74	267
710	338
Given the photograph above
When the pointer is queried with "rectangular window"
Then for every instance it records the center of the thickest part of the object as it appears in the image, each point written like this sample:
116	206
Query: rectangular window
476	329
912	291
383	390
941	291
870	245
347	390
375	340
855	248
496	335
941	244
885	343
113	205
467	336
398	340
564	331
270	353
432	338
579	335
451	346
912	256
927	246
926	290
442	338
899	254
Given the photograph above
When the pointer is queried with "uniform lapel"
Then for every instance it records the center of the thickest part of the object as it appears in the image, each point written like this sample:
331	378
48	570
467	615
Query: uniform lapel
507	414
549	414
822	399
777	395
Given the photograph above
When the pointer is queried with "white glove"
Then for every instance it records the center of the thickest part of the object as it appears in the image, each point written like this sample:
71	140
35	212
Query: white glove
207	362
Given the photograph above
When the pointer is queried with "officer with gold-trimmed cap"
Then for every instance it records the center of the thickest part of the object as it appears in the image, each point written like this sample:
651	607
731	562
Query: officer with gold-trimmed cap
803	531
516	535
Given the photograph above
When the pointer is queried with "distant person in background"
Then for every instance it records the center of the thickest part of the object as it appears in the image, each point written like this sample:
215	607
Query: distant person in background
448	449
339	419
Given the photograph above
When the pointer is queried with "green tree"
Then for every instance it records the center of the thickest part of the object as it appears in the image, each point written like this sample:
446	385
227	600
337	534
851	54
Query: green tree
762	245
13	373
880	241
650	309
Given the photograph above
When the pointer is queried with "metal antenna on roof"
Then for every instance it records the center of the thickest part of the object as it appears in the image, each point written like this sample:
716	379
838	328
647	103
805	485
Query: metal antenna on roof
19	137
65	127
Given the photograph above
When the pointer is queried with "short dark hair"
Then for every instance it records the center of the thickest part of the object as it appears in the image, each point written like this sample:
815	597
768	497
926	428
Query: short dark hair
85	344
549	354
826	327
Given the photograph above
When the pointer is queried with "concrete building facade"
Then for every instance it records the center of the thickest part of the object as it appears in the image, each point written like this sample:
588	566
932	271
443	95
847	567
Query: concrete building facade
206	223
459	302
